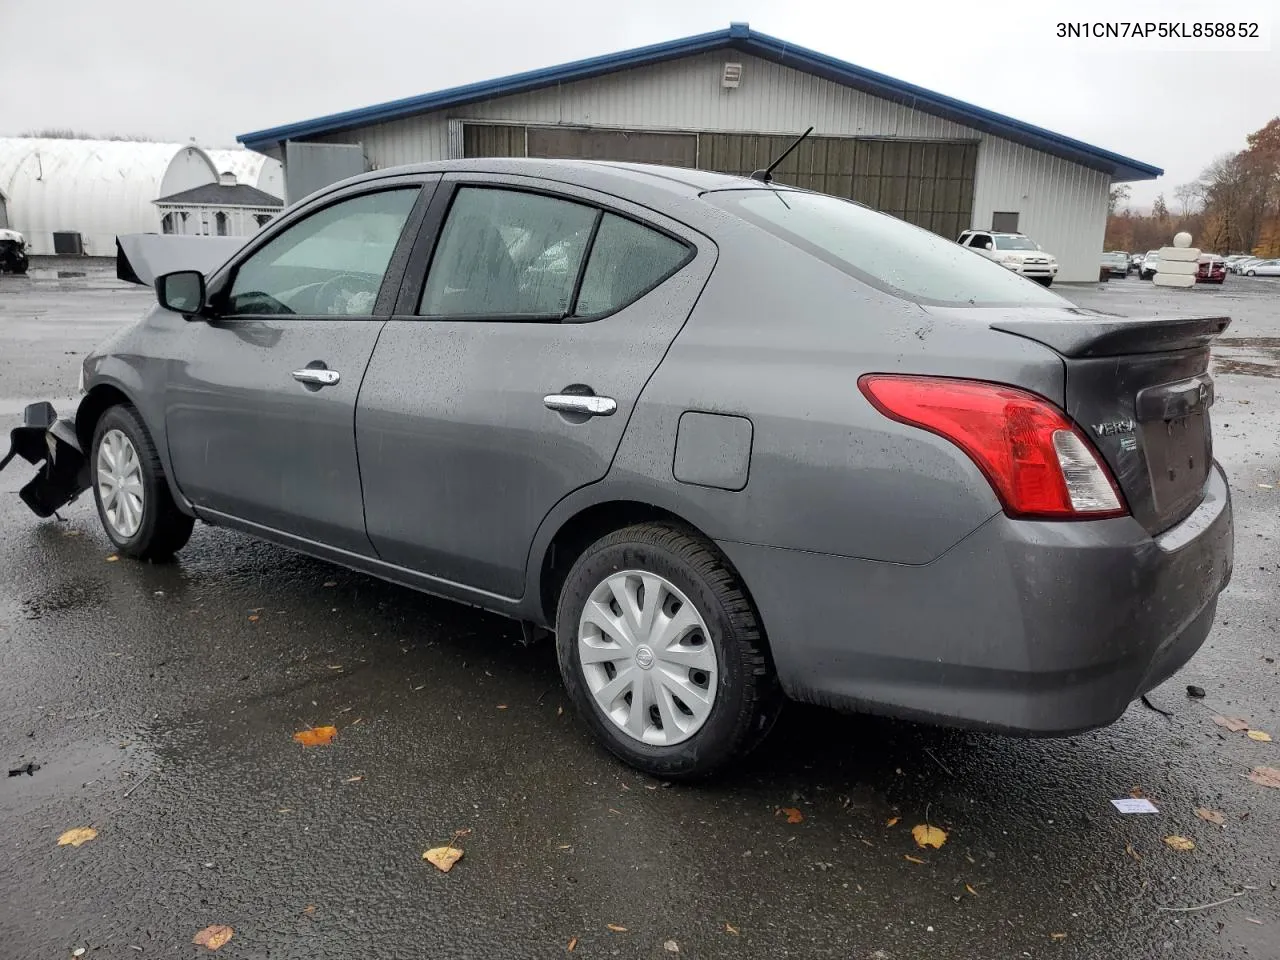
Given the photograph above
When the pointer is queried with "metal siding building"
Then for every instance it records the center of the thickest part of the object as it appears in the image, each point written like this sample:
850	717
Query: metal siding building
931	160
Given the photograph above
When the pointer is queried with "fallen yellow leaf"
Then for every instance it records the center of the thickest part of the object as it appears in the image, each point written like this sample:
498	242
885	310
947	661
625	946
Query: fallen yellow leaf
355	779
112	559
1180	843
1057	936
792	814
892	821
1210	816
1258	735
573	945
502	706
929	836
443	858
907	856
213	936
1234	724
316	736
730	928
309	908
253	618
616	927
1128	848
76	836
1266	776
971	890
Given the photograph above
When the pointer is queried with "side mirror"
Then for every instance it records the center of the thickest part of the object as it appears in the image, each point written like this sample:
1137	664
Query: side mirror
182	291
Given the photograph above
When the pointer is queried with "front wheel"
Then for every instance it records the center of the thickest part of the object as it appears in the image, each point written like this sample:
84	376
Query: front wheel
662	652
1044	281
134	503
1251	273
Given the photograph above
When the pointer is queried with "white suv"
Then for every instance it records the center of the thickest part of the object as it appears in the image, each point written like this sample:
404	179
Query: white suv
1016	251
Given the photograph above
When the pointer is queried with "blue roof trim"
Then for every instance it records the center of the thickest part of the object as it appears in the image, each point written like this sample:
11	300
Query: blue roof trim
740	37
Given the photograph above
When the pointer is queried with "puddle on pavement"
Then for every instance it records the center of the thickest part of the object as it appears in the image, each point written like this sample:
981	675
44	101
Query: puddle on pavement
64	596
63	770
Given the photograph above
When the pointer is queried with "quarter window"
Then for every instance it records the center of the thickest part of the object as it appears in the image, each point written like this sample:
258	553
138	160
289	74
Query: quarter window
331	263
505	253
627	260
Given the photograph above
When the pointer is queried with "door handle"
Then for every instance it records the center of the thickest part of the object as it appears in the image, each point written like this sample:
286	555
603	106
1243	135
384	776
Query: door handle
589	406
318	377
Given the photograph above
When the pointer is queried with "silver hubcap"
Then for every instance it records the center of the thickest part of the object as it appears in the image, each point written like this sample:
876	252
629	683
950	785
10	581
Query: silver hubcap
120	483
647	658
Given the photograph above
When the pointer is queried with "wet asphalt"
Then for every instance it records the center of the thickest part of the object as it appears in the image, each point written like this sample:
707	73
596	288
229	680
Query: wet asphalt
159	703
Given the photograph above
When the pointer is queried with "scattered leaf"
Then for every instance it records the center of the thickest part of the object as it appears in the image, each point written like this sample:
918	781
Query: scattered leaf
929	836
1137	793
792	814
253	618
213	936
443	858
113	558
892	821
1266	776
573	945
78	952
1128	848
316	736
309	908
335	666
76	836
1210	816
502	706
616	927
1195	691
559	711
331	583
971	890
1259	735
730	928
1180	843
1234	724
1057	936
355	779
671	946
907	856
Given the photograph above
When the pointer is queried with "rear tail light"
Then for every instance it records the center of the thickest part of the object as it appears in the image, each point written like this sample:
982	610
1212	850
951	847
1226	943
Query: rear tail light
1035	458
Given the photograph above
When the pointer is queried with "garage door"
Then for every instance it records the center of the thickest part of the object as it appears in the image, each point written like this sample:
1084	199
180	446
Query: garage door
924	182
633	146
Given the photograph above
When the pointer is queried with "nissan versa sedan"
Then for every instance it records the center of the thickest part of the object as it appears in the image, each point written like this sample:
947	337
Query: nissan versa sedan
732	442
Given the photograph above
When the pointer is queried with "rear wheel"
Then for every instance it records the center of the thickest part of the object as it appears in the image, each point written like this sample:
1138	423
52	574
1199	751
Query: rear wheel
134	503
1251	273
662	653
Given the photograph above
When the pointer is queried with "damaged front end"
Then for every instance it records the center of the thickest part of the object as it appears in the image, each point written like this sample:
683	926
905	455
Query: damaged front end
49	442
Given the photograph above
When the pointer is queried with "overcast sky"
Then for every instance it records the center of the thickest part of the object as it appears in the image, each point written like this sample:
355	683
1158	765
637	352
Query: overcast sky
175	70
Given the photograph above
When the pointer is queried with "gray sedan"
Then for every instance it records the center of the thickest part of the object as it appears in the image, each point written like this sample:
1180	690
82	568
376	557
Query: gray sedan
730	441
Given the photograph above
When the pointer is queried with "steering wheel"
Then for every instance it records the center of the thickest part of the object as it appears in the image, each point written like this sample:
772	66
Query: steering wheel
334	295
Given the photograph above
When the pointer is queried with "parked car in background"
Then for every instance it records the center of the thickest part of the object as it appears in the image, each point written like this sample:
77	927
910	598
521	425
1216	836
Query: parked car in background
1116	263
1243	263
1136	262
1150	265
13	252
1210	268
558	390
1013	251
1263	268
1233	259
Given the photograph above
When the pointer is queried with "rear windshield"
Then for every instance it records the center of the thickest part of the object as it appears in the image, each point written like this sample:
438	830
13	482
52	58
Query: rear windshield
888	253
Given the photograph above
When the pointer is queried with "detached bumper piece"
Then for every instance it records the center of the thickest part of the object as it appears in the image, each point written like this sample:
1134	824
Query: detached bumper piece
49	442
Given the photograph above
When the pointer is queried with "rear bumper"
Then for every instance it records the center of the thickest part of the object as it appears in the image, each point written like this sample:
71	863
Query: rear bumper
49	442
1031	628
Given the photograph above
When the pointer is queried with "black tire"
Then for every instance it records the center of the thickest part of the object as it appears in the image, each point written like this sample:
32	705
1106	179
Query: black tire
747	699
1044	281
164	529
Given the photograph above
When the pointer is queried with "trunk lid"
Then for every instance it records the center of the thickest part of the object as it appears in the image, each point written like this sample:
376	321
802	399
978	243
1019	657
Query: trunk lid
1140	389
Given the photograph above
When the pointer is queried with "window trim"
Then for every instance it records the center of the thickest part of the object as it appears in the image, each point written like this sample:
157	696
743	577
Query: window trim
222	280
432	229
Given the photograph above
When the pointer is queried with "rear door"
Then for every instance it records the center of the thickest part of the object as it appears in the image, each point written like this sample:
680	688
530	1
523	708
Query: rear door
505	379
260	404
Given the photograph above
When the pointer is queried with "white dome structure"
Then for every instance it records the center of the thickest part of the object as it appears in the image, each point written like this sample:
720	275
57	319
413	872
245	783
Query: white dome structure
255	169
92	189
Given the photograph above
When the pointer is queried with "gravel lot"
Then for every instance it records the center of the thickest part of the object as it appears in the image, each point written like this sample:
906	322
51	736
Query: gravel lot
159	703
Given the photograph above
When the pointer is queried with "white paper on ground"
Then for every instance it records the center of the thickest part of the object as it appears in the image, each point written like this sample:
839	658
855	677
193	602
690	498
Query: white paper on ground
1134	805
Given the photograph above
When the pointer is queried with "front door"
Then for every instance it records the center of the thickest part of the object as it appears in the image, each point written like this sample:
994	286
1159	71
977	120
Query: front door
260	407
505	380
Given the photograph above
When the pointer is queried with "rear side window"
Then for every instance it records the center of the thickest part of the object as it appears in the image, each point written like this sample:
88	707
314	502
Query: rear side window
505	253
627	261
883	251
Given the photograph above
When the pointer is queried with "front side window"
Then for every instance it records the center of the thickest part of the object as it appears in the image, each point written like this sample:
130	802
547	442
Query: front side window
506	253
330	264
883	251
980	241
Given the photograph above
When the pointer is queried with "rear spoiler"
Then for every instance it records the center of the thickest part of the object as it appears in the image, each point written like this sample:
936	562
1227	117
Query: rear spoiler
141	257
1081	336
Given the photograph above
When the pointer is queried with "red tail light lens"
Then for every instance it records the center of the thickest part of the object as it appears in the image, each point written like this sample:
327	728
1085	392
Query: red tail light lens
1037	461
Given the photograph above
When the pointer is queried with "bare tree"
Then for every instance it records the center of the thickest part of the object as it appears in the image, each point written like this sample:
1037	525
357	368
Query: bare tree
1189	197
1119	194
